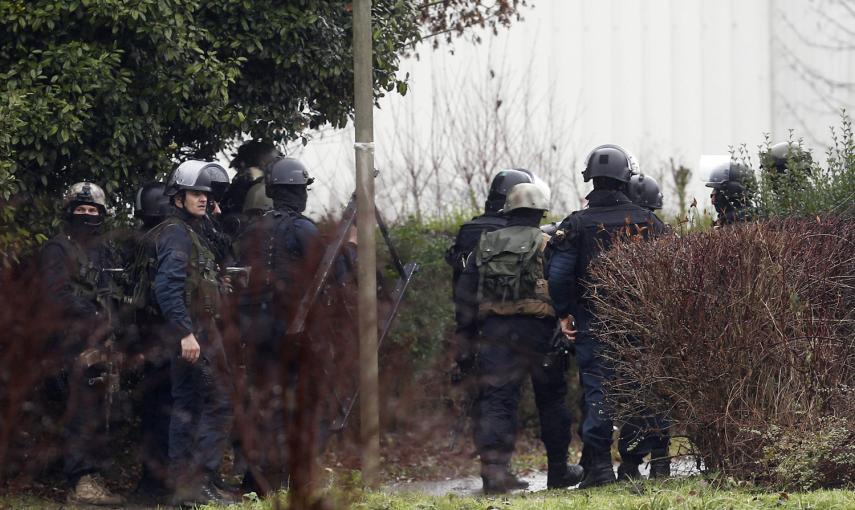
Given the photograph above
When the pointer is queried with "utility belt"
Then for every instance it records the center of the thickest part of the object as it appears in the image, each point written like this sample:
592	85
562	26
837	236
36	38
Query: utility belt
533	307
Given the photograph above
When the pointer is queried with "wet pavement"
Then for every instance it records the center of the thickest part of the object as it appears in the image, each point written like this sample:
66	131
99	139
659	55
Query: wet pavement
471	485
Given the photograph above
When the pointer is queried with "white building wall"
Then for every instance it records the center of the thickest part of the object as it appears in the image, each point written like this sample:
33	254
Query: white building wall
666	78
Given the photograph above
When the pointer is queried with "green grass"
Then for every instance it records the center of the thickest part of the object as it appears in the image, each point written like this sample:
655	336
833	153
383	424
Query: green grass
695	493
678	494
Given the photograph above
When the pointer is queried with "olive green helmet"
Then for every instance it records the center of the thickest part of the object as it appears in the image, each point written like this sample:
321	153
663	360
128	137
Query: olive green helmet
88	193
257	201
525	196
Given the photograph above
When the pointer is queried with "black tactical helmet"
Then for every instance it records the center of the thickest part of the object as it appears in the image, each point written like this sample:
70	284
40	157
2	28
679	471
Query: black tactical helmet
219	182
198	176
254	153
507	179
612	161
786	154
644	191
729	177
85	193
151	202
287	171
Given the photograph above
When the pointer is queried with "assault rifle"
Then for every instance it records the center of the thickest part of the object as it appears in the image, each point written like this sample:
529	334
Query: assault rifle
105	354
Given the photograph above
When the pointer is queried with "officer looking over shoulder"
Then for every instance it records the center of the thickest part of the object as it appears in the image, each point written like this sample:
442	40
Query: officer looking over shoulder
71	264
580	238
503	293
186	292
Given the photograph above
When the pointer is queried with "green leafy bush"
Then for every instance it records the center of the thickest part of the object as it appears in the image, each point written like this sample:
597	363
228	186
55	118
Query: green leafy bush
825	186
819	458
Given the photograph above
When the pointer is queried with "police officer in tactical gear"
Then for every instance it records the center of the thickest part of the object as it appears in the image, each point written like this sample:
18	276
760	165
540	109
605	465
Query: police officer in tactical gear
503	293
787	167
251	158
731	184
466	241
646	433
283	248
151	205
644	191
186	293
580	238
71	265
786	156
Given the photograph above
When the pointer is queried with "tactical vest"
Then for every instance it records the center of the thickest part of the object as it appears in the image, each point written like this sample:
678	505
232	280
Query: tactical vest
270	246
202	287
510	273
85	276
594	230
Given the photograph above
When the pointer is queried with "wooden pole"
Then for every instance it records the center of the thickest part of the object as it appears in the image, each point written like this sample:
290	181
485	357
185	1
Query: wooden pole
366	250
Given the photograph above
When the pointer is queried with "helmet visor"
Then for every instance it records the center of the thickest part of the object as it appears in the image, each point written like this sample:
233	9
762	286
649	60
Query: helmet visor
715	169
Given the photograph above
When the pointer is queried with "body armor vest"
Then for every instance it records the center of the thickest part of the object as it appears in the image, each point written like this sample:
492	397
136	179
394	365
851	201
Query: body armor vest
202	287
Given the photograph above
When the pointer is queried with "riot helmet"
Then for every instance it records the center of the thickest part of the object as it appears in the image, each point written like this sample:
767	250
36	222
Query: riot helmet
287	171
84	193
507	179
195	175
610	161
525	195
784	155
729	177
257	202
644	191
151	203
502	184
219	182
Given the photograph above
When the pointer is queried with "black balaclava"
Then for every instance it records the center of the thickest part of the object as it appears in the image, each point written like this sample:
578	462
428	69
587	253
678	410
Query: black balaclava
609	184
289	196
525	217
84	226
493	203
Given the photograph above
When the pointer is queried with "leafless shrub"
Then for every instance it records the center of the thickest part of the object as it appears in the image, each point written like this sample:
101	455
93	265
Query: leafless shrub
732	332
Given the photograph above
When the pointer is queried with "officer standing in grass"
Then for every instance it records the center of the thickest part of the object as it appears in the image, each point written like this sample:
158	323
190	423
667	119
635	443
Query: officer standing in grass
502	293
151	207
580	238
186	292
72	264
283	247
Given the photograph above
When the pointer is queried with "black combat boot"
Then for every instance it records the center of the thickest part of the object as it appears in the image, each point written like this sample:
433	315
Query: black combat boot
563	475
628	471
600	470
496	478
660	464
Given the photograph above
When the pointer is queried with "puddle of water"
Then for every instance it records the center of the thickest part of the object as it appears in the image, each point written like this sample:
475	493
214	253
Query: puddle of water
471	485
